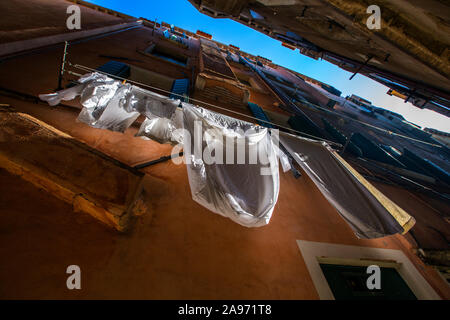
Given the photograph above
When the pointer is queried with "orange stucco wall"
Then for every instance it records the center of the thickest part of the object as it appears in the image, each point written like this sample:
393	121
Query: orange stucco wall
178	249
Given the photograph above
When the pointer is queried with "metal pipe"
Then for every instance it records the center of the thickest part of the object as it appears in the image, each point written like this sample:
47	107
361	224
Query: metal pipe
361	66
63	64
156	161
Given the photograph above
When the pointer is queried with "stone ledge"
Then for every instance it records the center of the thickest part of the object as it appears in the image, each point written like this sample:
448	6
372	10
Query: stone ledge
90	181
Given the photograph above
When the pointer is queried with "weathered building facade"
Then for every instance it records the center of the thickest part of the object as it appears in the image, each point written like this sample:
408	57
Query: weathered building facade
401	44
59	177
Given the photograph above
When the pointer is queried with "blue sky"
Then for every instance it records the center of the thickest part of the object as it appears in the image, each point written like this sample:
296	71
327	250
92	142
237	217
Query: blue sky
182	14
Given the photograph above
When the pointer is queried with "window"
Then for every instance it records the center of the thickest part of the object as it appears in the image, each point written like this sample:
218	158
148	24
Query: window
115	68
244	81
167	54
279	80
119	70
337	270
151	78
331	103
349	283
176	38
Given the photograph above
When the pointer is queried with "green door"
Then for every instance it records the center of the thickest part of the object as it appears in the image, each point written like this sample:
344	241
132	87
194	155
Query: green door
349	283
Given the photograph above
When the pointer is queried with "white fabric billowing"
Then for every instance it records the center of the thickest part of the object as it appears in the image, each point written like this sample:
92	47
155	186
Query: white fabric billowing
67	94
163	130
95	97
113	116
71	93
162	117
102	99
244	192
244	189
284	159
150	104
103	106
366	210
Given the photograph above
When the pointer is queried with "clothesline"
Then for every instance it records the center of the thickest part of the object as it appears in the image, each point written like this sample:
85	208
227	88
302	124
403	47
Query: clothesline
378	128
217	186
81	67
375	127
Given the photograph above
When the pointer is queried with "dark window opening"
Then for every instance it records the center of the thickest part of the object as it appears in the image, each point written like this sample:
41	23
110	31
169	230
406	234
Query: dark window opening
115	69
167	54
279	80
243	81
349	283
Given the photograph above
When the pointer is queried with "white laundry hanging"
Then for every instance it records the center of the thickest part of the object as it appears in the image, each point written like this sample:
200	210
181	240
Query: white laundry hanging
244	192
242	186
367	211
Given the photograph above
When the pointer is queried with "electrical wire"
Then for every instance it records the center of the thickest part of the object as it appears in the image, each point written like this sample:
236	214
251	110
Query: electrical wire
260	120
378	128
362	122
